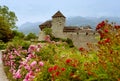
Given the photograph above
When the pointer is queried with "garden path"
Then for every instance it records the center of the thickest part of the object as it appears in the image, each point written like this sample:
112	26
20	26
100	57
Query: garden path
2	73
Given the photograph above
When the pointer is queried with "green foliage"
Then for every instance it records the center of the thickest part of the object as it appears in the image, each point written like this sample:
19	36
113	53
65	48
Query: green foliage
9	76
8	16
69	41
2	45
48	31
17	42
47	53
5	31
7	22
31	36
54	54
18	34
44	75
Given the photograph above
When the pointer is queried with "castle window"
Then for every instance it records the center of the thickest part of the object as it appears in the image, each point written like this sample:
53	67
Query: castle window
60	23
77	33
86	33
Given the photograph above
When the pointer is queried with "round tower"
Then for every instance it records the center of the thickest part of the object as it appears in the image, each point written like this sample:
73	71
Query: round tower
58	24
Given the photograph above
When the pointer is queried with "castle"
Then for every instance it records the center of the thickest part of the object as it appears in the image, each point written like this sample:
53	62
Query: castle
79	35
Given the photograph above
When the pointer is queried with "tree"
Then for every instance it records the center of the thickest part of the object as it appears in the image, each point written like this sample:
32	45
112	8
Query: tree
18	34
8	16
5	31
7	23
31	36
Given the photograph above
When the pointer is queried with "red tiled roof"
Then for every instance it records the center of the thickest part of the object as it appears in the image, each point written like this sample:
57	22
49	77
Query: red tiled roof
46	24
58	14
70	29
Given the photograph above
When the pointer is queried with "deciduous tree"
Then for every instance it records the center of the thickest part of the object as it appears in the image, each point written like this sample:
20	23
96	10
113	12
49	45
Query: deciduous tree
7	23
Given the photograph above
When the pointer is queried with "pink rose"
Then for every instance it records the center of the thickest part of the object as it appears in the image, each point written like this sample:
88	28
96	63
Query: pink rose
41	63
33	64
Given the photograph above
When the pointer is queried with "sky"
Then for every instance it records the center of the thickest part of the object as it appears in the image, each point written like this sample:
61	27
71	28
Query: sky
42	10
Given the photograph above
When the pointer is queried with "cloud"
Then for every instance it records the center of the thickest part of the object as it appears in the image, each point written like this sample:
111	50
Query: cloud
29	10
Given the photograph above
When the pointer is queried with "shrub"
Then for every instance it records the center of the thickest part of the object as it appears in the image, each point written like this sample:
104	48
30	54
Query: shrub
2	45
48	31
17	42
69	41
30	36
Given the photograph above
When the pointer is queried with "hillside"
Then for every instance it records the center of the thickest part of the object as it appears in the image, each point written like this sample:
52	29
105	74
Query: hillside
72	21
30	27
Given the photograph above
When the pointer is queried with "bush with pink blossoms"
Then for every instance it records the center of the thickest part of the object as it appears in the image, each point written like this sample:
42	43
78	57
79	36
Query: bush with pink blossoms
22	64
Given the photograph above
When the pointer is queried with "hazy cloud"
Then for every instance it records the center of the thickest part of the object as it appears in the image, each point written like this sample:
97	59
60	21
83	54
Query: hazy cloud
39	10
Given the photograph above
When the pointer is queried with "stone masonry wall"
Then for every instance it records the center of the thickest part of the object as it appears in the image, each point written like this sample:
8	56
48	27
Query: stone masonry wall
79	40
82	39
57	27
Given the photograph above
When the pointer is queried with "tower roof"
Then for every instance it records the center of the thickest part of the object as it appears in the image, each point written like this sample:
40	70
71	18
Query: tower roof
46	24
58	14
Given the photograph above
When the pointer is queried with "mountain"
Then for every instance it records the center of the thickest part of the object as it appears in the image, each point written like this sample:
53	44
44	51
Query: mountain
92	21
71	21
28	27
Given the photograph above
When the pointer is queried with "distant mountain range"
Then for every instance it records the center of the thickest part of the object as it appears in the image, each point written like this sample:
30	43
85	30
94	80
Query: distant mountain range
92	21
71	21
28	27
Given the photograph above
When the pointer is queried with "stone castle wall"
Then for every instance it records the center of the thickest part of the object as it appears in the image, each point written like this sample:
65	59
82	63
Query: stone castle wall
41	36
57	27
80	40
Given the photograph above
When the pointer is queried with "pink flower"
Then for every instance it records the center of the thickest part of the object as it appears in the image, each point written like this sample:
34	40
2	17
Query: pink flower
41	63
33	64
27	67
11	56
24	63
38	49
29	76
12	63
47	38
28	58
37	70
31	55
17	74
25	80
39	45
17	53
32	48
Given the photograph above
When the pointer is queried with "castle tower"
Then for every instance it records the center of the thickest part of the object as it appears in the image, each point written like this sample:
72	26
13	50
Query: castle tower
58	24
